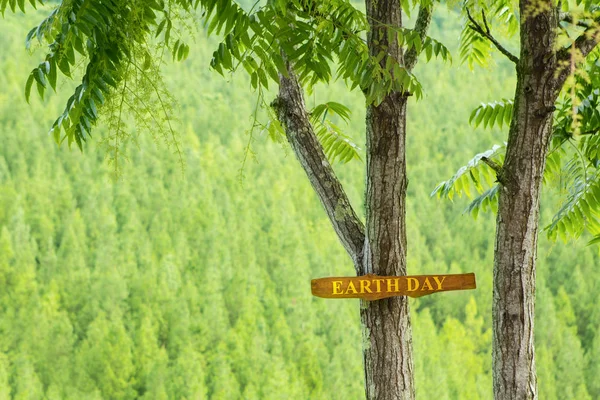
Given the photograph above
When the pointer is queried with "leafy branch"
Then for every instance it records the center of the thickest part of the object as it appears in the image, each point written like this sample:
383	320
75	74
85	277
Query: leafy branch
486	33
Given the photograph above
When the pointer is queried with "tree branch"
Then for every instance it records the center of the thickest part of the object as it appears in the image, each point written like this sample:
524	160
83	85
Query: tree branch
421	26
291	112
486	33
591	132
583	45
568	17
586	42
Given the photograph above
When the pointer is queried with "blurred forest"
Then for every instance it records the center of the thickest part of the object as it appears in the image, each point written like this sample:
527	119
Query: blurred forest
193	285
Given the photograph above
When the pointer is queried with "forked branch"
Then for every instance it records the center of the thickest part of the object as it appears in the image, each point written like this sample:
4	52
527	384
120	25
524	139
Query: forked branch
291	112
486	33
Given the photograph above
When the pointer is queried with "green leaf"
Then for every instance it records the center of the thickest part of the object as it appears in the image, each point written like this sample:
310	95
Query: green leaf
428	52
64	66
38	74
225	57
168	31
595	240
41	88
262	77
52	74
28	87
336	145
483	202
491	114
160	27
29	37
576	214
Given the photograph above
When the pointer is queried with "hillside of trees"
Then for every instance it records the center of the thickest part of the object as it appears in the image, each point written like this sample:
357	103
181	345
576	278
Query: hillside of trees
171	283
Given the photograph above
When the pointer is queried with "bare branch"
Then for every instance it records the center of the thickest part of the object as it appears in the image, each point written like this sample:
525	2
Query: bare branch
487	28
487	34
591	132
291	112
421	26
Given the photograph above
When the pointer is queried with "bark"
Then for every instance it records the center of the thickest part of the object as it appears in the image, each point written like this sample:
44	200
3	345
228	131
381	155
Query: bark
387	336
513	355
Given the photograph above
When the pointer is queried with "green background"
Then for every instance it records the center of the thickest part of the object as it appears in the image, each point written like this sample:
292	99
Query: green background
171	285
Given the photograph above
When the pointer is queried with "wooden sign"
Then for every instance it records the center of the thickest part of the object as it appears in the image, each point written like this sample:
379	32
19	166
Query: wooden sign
374	287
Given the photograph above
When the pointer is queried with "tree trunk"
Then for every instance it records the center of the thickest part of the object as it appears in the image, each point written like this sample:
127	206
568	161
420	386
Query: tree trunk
387	337
380	247
386	323
520	177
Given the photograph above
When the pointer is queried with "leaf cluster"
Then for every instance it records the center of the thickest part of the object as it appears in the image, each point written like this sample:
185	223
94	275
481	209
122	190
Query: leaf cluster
337	145
116	48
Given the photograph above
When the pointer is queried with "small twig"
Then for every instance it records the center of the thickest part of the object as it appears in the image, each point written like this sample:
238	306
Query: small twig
487	34
590	132
247	148
492	164
497	169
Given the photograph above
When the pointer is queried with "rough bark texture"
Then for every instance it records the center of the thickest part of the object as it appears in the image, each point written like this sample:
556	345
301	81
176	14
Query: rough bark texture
388	358
387	346
518	211
291	111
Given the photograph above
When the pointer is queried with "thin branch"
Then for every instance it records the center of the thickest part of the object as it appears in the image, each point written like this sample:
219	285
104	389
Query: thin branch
421	26
247	149
588	40
166	114
568	17
591	132
487	28
487	34
291	111
120	120
501	175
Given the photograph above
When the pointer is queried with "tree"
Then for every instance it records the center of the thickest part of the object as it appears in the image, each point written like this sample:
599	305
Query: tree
293	44
554	103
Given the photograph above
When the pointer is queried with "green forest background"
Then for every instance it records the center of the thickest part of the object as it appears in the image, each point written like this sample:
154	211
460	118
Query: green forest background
163	285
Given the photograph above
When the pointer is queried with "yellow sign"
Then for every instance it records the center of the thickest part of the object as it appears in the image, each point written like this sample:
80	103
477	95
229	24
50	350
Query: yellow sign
373	287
